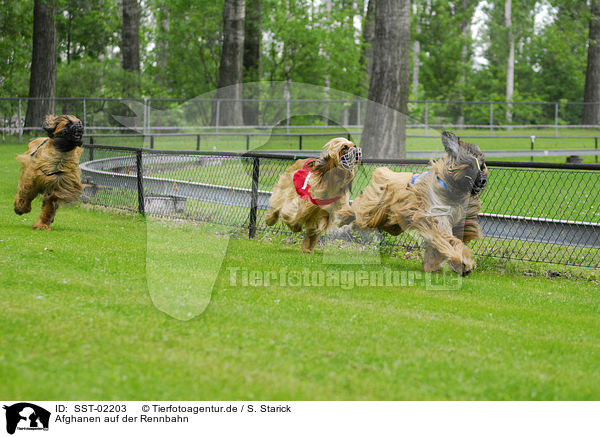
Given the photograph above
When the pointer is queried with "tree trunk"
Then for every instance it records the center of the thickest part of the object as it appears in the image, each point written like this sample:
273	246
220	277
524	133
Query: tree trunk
42	81
384	133
162	45
416	62
252	37
464	57
510	64
369	35
591	112
231	67
130	46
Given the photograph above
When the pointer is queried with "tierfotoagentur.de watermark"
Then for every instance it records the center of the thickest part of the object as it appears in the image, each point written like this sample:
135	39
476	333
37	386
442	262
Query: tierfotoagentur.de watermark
344	279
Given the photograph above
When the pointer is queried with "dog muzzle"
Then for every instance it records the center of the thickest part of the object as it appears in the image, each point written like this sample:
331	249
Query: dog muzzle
73	132
351	159
479	183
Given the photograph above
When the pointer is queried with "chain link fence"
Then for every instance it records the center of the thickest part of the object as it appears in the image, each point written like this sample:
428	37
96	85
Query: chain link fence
103	115
531	211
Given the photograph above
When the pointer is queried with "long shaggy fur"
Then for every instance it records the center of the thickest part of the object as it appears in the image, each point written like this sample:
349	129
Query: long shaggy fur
328	180
446	217
50	168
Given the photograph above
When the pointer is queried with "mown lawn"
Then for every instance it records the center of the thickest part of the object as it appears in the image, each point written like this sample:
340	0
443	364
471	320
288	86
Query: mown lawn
502	139
80	318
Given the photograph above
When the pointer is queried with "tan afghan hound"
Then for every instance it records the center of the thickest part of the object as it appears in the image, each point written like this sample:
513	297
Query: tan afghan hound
310	192
441	204
50	167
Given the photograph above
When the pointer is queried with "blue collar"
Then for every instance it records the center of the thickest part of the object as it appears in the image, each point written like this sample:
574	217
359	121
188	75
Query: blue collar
416	178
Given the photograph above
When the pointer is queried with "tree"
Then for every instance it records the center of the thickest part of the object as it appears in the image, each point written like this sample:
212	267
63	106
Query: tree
42	81
231	66
446	71
369	35
416	54
130	46
591	111
15	46
252	37
510	62
384	133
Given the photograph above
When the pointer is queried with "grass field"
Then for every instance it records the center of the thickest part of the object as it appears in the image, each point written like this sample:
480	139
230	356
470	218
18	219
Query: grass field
80	319
266	141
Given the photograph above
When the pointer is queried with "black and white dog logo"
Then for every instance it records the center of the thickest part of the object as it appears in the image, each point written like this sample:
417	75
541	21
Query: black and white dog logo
26	416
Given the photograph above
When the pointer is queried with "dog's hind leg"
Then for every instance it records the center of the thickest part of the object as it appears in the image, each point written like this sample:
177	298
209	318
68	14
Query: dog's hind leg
49	207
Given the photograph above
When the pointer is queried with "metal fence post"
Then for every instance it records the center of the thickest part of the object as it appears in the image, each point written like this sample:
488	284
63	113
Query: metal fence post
84	113
20	123
217	115
556	119
140	181
426	116
254	198
532	143
144	120
152	141
247	142
491	119
300	142
358	114
596	143
287	117
92	151
149	123
197	142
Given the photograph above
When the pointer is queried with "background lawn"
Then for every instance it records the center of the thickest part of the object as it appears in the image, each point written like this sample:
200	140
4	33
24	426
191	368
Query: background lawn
79	321
264	140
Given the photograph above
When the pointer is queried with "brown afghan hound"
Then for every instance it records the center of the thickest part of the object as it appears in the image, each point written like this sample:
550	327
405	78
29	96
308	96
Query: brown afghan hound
50	167
441	204
310	192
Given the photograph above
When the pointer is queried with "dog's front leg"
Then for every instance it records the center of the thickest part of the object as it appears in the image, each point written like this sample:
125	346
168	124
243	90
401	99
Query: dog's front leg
465	264
442	245
26	192
459	256
49	207
432	259
313	233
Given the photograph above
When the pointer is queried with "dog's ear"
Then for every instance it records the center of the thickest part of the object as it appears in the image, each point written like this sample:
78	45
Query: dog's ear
49	124
450	142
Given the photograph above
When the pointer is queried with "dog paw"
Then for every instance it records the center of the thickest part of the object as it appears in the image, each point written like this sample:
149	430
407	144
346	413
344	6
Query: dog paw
22	210
41	226
303	250
463	268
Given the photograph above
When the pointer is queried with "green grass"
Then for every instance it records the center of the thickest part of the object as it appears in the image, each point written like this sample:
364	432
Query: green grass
265	141
79	319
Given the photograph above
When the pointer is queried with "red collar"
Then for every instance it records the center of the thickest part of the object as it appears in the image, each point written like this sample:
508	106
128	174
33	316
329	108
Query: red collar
301	178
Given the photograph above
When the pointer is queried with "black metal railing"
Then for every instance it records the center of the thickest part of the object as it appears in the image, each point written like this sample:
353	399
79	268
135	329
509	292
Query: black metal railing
540	212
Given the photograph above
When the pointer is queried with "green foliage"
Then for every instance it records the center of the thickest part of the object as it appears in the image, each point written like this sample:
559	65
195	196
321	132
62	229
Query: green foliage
16	21
192	44
304	41
441	23
87	28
